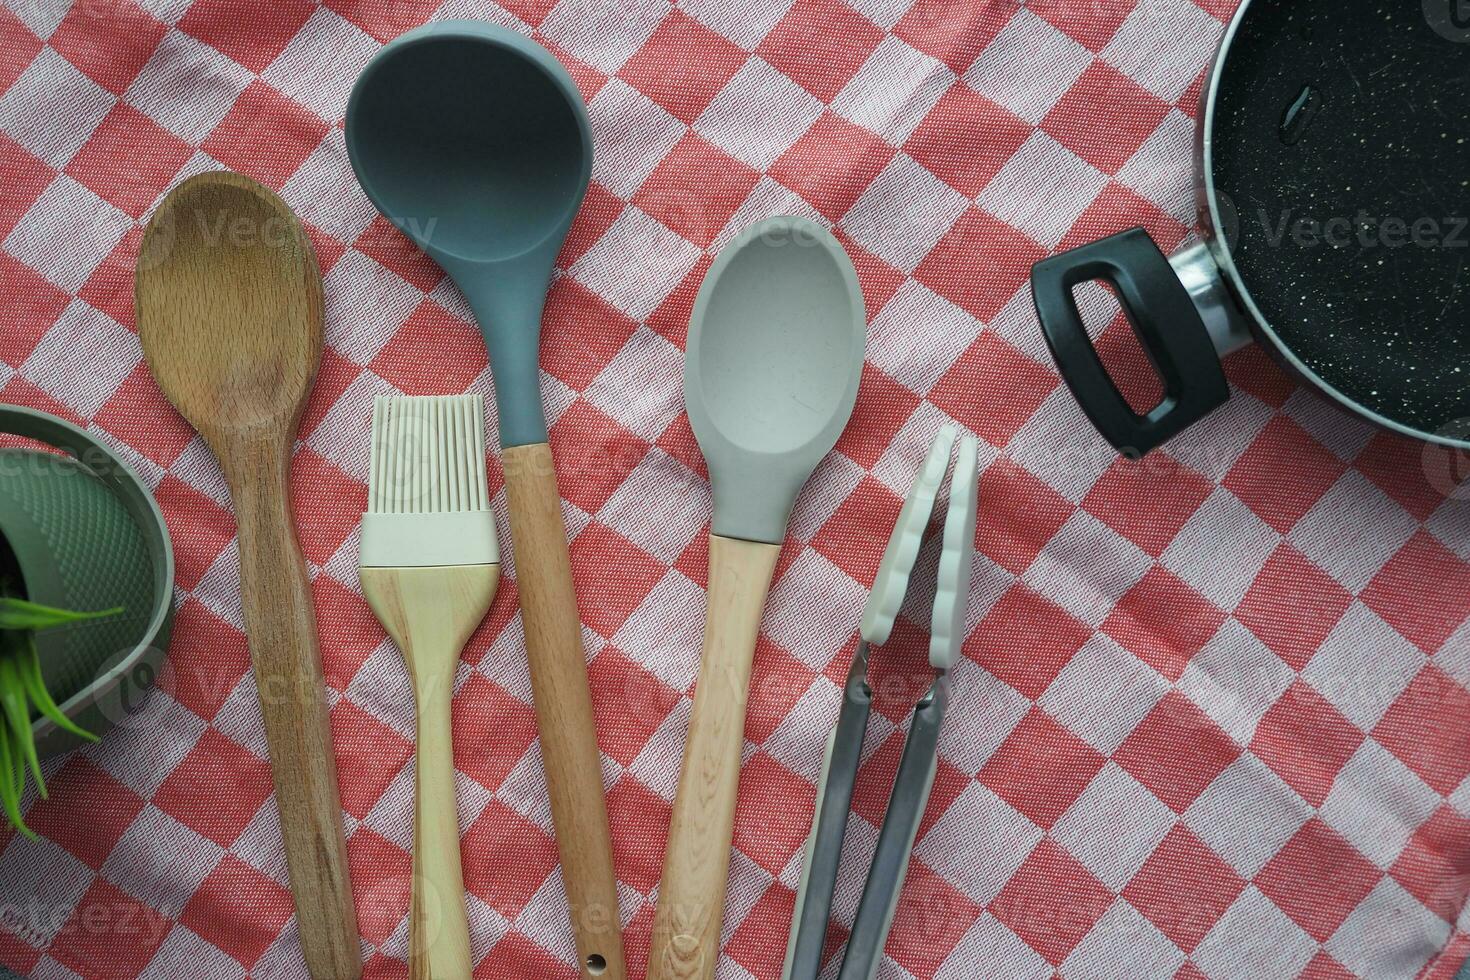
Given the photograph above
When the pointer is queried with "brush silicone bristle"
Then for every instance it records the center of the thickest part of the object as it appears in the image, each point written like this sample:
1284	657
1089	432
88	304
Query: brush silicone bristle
428	498
428	455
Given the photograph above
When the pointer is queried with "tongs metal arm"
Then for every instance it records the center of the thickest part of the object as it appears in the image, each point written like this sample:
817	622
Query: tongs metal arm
829	826
906	807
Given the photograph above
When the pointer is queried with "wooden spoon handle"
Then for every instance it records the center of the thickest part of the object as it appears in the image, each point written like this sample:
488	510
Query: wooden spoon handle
691	902
280	622
564	708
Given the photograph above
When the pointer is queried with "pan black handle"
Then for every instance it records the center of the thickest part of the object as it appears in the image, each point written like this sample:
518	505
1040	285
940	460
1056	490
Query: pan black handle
1165	321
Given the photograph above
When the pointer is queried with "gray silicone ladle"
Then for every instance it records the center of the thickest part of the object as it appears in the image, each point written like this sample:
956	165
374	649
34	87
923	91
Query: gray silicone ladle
473	140
771	371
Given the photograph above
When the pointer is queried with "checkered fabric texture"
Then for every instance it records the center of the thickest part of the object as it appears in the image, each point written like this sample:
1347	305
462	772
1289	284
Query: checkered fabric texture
1212	717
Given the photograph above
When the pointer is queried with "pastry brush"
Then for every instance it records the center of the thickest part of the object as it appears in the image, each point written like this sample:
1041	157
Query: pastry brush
429	567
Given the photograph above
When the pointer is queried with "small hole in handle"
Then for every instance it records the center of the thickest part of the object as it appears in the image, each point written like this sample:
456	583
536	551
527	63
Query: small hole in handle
1117	344
596	965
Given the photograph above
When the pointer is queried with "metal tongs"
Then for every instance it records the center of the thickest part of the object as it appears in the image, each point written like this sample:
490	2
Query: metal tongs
920	757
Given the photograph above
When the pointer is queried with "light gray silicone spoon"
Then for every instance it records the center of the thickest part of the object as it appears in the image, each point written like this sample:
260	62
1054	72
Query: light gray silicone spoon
771	372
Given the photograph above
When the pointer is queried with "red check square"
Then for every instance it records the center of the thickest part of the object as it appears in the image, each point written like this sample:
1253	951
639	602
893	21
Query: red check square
295	133
1317	879
966	139
139	415
1427	617
392	249
506	886
605	604
1283	474
328	504
820	45
883	408
110	934
129	160
239	910
931	919
1163	622
1090	25
31	306
1105	117
993	389
1292	606
641	817
382	881
199	527
1434	866
769	835
1306	741
682	66
594	455
580	333
979	264
25	179
207	659
1147	501
1176	751
1402	468
433	352
1026	640
1184	888
954	33
86	811
493	729
629	703
1020	516
271	27
350	632
216	789
1041	768
751	945
832	164
110	43
385	21
1428	728
856	534
1051	902
18	48
517	956
369	756
696	189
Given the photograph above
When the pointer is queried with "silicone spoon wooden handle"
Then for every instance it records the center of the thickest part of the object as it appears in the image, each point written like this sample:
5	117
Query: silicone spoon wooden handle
431	612
691	902
280	622
564	708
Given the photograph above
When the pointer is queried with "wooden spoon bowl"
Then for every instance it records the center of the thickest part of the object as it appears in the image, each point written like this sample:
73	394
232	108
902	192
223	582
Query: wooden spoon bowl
229	300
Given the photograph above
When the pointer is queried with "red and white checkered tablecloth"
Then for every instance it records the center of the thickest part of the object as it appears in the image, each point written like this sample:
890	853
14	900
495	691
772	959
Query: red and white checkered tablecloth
1212	720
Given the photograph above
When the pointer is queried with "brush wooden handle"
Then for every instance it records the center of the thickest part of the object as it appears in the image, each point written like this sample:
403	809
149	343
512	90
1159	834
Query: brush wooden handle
430	613
691	902
564	709
280	623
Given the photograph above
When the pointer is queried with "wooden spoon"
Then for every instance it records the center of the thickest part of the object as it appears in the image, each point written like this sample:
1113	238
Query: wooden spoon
229	301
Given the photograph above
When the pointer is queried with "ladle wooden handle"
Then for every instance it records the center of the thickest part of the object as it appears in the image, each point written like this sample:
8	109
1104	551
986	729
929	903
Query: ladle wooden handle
280	623
691	903
564	708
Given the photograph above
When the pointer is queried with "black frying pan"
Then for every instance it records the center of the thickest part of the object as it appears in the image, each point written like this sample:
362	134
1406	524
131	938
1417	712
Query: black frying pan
1334	188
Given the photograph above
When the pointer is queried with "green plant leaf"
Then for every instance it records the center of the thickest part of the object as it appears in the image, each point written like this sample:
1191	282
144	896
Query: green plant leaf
21	614
17	713
29	669
9	794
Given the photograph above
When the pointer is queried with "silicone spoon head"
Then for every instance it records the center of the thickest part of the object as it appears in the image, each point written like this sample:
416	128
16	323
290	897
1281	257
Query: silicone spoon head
474	141
771	370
